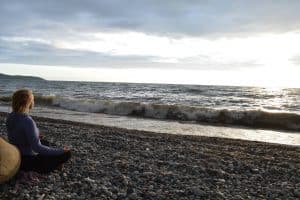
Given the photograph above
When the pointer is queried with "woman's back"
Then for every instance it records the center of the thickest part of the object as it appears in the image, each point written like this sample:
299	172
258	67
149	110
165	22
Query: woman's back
17	125
23	133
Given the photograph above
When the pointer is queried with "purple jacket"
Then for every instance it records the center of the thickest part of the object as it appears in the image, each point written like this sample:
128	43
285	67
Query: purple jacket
23	133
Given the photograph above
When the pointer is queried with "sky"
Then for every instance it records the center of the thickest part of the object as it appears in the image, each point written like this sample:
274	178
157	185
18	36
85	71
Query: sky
211	42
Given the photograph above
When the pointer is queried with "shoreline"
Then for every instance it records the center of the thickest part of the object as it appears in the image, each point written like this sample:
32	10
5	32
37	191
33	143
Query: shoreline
150	133
117	163
169	127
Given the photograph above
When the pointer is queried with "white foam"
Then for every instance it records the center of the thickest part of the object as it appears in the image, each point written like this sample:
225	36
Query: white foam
255	118
171	127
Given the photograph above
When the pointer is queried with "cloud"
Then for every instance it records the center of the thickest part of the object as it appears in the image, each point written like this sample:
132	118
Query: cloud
39	53
296	60
36	52
173	18
47	23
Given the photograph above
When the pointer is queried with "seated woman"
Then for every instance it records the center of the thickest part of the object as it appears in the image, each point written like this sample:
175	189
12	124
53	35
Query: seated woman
24	134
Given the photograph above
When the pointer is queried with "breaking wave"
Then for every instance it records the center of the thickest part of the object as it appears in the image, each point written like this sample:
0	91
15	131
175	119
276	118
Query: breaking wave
251	118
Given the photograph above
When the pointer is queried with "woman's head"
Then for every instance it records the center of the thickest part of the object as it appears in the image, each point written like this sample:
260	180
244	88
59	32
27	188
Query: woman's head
22	100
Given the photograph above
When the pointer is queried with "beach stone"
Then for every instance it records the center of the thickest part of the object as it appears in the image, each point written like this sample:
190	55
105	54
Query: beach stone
151	187
12	191
231	167
221	180
136	172
88	179
198	191
220	194
133	196
148	174
151	193
238	197
121	194
283	184
297	193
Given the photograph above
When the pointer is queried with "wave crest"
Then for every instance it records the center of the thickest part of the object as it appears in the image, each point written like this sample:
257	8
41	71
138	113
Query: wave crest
251	118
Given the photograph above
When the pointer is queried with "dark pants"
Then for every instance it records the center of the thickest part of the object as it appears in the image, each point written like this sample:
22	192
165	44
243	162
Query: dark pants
43	163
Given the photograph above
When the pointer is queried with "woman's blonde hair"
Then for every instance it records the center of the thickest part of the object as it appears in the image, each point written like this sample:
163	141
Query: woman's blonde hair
21	100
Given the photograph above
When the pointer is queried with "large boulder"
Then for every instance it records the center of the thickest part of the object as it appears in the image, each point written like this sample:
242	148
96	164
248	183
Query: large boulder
10	160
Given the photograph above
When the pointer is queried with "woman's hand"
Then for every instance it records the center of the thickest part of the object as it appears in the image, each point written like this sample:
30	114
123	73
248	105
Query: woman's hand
66	149
41	136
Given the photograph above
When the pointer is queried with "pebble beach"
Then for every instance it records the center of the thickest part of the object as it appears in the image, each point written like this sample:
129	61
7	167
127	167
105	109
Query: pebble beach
115	163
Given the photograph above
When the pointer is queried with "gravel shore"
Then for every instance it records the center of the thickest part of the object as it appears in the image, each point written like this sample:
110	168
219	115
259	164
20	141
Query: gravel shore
114	163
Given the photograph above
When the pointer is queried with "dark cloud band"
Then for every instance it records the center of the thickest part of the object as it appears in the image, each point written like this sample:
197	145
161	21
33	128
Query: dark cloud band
169	17
53	19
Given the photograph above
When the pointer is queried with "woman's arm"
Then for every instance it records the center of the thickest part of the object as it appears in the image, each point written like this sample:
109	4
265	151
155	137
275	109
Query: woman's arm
32	136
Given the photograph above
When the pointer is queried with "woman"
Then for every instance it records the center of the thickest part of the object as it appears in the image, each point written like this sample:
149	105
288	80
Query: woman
24	134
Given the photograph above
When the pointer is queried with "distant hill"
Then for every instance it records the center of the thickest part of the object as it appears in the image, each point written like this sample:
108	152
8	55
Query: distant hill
9	77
